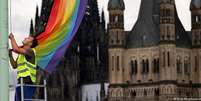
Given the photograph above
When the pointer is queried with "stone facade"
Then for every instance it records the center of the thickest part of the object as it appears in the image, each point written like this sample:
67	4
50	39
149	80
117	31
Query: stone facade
157	60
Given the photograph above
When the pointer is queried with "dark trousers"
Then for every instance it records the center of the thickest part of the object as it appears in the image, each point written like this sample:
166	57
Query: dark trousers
28	93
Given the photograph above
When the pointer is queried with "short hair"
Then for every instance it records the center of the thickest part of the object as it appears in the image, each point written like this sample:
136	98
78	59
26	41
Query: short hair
34	42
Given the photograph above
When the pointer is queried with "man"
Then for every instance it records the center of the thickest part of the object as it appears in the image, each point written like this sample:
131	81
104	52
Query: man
25	65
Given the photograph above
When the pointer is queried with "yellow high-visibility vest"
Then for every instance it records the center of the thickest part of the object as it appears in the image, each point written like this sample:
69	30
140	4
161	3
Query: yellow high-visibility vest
25	68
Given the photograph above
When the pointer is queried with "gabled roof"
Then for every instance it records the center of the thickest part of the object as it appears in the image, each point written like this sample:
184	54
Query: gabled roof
146	31
183	38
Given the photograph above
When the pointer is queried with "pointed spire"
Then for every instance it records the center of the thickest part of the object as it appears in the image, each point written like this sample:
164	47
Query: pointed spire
103	19
94	12
31	33
36	20
43	8
102	16
36	16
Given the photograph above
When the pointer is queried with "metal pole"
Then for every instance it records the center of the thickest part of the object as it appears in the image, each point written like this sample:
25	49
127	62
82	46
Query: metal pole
4	67
45	89
22	89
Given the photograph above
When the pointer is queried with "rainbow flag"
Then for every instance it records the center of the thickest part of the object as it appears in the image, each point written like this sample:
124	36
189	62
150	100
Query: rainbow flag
64	21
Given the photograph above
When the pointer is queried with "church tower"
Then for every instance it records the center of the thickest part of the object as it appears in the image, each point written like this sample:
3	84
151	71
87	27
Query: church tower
196	40
167	47
167	40
116	40
116	23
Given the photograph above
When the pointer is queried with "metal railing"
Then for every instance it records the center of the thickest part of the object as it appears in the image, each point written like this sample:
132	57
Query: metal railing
21	85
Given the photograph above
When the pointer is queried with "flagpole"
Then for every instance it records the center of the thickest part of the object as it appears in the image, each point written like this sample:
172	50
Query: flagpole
4	66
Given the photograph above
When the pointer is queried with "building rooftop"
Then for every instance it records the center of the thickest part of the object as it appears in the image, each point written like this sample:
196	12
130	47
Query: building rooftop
116	4
146	31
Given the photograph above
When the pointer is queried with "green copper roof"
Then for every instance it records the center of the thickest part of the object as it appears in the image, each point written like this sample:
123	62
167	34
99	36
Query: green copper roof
116	4
196	3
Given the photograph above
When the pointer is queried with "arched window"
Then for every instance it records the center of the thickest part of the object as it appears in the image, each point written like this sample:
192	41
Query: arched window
143	66
168	59
112	63
163	59
196	19
196	63
185	66
134	67
179	66
157	66
116	18
136	70
118	63
147	66
154	66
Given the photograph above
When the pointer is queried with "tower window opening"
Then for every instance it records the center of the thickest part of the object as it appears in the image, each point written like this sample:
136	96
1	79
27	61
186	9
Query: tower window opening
164	59
196	63
133	67
147	66
118	63
168	59
116	18
196	19
143	66
112	63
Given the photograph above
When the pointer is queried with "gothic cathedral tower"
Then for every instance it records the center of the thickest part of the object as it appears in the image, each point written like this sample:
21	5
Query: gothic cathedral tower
167	47
116	40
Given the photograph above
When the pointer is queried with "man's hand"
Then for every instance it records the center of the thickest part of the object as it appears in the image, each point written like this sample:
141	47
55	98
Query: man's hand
11	36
